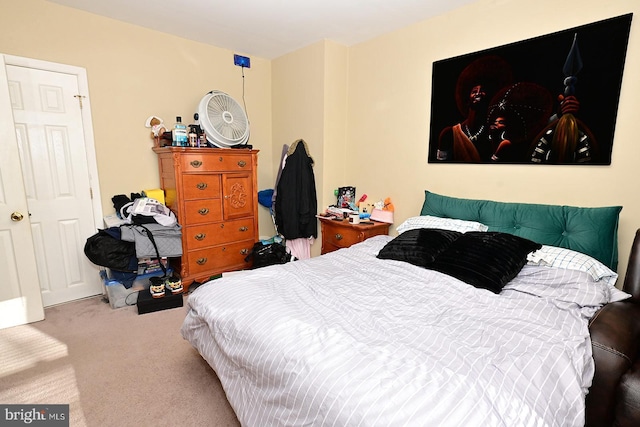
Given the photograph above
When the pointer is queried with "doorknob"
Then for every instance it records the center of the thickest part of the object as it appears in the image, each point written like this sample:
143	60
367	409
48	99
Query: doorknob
16	216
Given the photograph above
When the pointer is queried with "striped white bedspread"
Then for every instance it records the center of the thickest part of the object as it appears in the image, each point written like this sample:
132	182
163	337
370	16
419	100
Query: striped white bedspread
346	339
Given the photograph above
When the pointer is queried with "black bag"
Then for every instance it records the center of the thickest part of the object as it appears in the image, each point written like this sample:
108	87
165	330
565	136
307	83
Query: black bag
105	250
269	254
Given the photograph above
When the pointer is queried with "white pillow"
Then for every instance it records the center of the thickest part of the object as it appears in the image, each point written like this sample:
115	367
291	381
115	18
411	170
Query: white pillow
553	256
428	221
564	286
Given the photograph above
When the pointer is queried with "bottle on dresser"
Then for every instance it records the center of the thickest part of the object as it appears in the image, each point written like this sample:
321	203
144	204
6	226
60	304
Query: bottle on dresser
202	139
179	134
193	136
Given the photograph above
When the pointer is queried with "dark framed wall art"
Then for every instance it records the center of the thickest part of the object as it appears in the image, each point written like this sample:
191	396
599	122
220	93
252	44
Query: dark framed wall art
552	99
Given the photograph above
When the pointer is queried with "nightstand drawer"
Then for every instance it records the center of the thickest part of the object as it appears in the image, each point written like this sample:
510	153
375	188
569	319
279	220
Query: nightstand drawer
341	237
342	234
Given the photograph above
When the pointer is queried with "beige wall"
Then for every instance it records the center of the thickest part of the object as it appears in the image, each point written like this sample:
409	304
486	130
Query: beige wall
335	142
298	103
389	109
364	110
384	153
310	102
134	73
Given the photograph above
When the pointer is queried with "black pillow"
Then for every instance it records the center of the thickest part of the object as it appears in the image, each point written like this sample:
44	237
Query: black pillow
419	246
487	260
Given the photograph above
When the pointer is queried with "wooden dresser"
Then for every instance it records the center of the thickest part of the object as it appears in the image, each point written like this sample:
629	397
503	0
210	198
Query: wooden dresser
213	192
342	234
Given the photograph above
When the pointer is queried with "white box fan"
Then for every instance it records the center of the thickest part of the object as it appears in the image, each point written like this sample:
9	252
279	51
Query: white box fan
223	120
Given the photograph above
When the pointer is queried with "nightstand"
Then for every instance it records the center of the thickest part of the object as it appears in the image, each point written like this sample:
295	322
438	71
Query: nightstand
342	234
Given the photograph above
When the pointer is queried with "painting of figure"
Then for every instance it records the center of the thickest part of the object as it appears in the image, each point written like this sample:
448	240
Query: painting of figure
552	99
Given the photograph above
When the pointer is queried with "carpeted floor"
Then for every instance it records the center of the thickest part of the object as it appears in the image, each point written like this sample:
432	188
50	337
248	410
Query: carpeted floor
113	366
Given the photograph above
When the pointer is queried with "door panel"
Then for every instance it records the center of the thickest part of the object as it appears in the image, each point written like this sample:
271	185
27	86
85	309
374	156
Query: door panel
20	297
238	195
50	136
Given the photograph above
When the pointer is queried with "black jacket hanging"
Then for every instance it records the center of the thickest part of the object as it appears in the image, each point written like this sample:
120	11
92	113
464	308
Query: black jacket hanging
296	203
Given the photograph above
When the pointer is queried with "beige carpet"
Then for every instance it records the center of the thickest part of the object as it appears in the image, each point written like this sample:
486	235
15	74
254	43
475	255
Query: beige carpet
113	366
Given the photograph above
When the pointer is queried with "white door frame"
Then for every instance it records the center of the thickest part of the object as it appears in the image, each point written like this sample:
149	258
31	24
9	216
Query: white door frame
83	85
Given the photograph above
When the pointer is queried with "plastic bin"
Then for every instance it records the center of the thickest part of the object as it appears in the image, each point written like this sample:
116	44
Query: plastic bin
119	296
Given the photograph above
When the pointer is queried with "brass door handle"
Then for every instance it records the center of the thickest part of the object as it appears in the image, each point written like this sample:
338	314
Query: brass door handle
244	228
244	251
201	185
200	236
17	216
196	163
201	261
338	236
203	211
242	163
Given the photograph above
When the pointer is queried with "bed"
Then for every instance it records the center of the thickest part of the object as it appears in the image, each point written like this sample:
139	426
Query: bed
479	313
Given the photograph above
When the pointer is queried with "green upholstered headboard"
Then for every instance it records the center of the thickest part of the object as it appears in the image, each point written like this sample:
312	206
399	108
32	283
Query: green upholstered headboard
593	231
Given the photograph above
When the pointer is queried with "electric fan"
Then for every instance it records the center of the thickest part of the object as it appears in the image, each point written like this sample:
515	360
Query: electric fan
223	120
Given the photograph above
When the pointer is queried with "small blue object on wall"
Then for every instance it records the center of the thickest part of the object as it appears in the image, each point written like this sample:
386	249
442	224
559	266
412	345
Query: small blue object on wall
242	61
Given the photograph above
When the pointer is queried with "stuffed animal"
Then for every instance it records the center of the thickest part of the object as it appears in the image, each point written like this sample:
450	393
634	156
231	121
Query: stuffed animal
385	205
388	206
156	125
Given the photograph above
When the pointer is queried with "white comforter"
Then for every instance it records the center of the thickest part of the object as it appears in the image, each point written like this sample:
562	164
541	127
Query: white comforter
346	339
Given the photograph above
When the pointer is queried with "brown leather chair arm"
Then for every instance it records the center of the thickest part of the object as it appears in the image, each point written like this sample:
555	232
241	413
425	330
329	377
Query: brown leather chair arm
614	396
632	275
628	408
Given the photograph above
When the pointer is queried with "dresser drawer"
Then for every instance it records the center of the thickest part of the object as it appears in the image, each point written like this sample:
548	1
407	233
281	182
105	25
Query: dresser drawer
201	236
228	257
214	162
201	186
202	211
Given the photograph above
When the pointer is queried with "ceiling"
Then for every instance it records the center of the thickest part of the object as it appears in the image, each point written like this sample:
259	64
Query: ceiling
269	28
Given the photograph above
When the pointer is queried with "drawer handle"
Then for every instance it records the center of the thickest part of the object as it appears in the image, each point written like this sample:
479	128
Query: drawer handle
244	228
338	236
200	236
201	185
196	163
242	163
201	261
244	251
203	211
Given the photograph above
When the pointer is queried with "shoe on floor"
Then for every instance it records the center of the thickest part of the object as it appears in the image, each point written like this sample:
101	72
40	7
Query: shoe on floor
156	287
174	284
